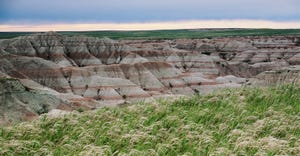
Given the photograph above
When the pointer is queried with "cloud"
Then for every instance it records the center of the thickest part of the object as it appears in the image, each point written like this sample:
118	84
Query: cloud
151	26
41	11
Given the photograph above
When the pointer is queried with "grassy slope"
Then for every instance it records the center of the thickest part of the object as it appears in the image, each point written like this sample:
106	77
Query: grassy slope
242	121
171	34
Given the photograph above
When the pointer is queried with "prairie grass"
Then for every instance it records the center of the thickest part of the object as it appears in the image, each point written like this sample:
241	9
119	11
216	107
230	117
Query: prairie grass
245	121
169	34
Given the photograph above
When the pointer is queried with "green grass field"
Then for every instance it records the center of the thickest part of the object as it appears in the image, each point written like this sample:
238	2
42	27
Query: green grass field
245	121
171	34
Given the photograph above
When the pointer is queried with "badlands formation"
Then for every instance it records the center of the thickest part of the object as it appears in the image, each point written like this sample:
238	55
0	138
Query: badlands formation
48	72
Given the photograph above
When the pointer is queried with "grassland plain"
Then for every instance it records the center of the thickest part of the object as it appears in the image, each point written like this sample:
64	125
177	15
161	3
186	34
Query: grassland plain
245	121
169	34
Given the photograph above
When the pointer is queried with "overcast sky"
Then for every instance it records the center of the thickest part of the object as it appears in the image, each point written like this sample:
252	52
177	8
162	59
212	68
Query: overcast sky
40	11
139	11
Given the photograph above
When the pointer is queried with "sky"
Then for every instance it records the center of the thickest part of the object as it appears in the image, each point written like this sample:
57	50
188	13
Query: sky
146	14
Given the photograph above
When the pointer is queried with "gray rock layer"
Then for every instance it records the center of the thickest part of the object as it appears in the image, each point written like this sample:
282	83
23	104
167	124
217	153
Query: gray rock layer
92	72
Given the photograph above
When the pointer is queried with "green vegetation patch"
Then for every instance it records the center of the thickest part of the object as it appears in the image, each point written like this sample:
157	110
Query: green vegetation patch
5	79
245	121
170	34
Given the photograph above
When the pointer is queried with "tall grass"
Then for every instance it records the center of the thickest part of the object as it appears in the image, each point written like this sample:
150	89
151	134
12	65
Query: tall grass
246	121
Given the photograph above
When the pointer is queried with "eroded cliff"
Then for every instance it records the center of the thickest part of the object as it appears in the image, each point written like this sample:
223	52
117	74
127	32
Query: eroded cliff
92	72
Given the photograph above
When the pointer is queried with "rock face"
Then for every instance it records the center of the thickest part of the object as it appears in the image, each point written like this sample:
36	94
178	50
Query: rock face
91	72
289	75
19	102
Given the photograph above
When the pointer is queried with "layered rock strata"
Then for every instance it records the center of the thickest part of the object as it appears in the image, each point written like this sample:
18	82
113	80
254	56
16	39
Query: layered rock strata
91	72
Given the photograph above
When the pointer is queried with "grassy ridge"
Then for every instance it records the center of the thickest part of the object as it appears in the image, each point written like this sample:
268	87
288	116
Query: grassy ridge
246	121
171	34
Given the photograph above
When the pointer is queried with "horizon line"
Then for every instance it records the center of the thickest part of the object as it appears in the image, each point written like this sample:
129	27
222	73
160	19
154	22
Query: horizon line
166	25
